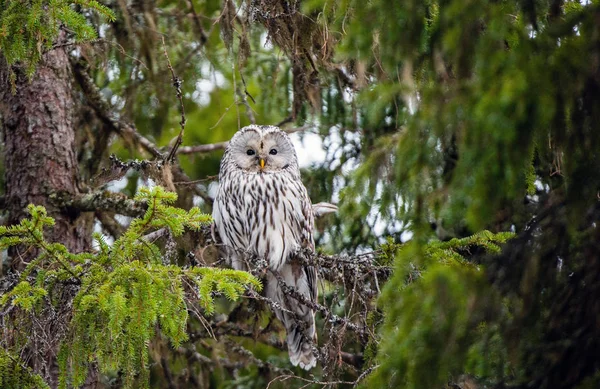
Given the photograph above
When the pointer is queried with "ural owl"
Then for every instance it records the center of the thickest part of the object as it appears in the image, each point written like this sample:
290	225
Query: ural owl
262	209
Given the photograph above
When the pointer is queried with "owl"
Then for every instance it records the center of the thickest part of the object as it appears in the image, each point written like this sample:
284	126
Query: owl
262	210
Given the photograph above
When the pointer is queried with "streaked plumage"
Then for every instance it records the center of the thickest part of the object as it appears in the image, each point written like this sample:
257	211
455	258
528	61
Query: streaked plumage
262	208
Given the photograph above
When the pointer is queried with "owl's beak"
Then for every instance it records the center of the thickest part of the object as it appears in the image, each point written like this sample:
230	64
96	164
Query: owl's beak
262	163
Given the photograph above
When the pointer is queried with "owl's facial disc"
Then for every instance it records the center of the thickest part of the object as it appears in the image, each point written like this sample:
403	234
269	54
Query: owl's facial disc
264	152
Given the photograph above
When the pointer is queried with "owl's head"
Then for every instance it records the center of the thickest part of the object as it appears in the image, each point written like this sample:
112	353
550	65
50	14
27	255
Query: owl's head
267	149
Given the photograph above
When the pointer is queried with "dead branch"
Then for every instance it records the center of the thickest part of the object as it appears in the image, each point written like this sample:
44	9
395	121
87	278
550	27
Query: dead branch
182	179
247	354
244	95
199	149
330	316
104	111
285	377
219	329
177	82
100	201
196	18
110	224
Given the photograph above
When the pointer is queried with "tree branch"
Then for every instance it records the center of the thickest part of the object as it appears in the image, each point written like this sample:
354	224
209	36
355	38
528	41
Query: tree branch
177	82
315	306
202	148
103	110
195	17
110	224
199	149
100	201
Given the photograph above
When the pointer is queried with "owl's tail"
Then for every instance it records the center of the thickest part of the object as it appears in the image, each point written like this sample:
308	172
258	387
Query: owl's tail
298	319
300	343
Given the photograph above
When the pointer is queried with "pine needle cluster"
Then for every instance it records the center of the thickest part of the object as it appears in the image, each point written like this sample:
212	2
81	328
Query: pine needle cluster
126	294
29	28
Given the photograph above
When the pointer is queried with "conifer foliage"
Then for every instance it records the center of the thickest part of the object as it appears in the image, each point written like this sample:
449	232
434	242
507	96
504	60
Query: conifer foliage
14	375
437	305
126	291
28	28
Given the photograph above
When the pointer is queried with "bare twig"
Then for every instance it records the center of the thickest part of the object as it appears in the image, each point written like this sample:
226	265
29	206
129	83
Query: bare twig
236	348
199	30
104	111
244	97
364	374
333	318
181	179
96	41
202	148
222	145
129	130
285	377
108	222
273	304
287	120
177	82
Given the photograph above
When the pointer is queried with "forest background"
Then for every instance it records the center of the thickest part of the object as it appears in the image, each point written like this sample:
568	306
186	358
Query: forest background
459	139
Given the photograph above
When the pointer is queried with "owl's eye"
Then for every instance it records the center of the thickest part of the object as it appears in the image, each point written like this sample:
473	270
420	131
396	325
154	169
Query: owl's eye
250	152
273	152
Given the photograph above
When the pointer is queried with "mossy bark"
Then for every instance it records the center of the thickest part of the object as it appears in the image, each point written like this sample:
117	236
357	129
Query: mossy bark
39	153
40	159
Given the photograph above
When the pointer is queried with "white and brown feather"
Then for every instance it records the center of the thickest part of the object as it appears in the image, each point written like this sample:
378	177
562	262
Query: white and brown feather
266	212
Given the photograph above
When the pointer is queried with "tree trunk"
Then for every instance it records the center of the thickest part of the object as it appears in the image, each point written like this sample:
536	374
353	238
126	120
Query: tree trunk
39	148
39	158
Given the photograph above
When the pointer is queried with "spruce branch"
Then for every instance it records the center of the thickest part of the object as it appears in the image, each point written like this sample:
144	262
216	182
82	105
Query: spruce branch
126	291
30	28
15	374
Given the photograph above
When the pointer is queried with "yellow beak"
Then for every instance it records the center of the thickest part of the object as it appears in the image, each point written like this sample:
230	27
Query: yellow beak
262	163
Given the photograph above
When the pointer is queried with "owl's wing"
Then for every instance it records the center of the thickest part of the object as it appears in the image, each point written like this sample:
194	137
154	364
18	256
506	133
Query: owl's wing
305	225
228	222
300	209
311	271
311	282
321	209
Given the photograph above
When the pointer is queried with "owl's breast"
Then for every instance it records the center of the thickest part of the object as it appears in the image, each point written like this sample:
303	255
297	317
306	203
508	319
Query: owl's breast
273	214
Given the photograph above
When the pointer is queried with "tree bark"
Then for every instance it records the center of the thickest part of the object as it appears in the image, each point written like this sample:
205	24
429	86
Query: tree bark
39	159
39	150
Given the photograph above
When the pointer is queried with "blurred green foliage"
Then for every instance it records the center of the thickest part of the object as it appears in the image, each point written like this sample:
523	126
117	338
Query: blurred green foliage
445	124
437	306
